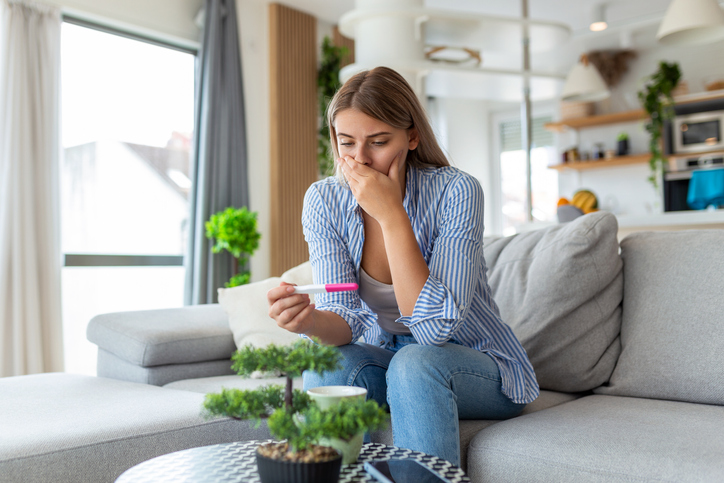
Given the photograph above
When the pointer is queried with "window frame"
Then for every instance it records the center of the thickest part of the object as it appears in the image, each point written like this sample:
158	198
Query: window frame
498	118
114	260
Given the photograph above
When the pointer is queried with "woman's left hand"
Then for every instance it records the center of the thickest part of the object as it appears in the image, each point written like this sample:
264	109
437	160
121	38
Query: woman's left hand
379	195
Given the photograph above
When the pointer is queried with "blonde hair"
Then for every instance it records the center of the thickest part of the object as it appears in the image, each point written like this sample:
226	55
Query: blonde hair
385	95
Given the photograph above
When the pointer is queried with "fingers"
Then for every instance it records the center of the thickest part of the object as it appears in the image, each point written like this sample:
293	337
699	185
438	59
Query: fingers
283	290
394	171
298	322
288	309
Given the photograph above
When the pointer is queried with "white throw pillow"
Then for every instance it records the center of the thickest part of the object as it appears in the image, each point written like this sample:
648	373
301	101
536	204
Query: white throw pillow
248	311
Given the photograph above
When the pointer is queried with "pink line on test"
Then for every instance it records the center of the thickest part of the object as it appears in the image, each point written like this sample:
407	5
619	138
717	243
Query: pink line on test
340	287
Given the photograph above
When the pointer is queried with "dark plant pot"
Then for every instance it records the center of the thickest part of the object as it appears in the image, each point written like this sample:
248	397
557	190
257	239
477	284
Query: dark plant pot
623	147
280	471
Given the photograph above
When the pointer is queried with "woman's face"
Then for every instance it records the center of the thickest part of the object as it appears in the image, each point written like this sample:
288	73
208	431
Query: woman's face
372	142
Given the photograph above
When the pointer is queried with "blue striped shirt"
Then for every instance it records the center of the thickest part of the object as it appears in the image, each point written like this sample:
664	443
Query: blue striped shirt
445	207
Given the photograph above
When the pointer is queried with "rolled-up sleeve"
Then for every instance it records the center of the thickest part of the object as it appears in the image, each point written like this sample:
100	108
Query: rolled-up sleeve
325	231
455	264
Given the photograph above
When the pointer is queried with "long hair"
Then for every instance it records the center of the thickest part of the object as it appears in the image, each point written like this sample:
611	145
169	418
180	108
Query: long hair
385	95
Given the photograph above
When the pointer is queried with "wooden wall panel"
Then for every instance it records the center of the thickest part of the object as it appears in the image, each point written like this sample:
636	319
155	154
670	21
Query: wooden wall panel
293	157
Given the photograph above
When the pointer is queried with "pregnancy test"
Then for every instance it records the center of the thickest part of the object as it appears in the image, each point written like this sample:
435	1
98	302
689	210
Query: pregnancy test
330	287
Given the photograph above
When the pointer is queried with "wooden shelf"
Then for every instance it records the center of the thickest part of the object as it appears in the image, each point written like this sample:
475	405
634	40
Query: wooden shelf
600	120
604	163
626	116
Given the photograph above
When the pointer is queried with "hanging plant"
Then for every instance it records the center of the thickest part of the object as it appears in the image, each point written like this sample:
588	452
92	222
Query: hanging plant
327	85
657	101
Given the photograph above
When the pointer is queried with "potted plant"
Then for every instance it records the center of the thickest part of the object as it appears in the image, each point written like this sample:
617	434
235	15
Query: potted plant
658	102
622	144
327	84
234	230
292	416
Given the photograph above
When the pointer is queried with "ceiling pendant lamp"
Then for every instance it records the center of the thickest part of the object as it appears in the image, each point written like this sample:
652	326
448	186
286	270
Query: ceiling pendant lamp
689	22
584	83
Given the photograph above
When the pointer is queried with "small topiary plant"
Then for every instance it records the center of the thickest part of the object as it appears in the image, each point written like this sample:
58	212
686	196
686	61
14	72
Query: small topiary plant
291	414
234	230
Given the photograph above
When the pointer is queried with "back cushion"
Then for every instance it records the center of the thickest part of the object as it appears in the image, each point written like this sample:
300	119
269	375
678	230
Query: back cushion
560	290
672	333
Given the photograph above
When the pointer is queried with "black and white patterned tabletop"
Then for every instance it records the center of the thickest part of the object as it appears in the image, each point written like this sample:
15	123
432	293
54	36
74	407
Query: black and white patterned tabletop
236	462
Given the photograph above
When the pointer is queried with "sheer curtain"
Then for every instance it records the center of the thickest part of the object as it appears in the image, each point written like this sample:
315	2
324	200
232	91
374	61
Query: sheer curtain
30	307
220	174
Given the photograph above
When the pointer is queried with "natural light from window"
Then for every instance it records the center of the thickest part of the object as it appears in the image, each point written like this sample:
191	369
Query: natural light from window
127	122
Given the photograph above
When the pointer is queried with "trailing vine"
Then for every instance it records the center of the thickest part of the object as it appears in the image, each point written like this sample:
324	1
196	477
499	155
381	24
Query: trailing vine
657	101
327	85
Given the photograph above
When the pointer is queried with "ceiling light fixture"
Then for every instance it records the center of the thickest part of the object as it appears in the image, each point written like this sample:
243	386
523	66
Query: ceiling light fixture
689	22
598	18
584	83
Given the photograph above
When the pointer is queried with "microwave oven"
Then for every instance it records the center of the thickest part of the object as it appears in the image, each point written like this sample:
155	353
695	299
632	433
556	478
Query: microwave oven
699	132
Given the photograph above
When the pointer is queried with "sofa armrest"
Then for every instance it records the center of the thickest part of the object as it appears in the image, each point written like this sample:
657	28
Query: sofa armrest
153	338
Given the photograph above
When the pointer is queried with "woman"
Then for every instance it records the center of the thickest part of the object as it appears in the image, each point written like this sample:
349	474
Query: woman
408	228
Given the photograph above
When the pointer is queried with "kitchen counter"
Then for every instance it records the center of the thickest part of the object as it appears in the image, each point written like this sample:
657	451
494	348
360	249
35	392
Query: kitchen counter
669	221
675	220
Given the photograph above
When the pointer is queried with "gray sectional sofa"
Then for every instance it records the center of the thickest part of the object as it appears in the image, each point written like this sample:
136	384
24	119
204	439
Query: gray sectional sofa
627	342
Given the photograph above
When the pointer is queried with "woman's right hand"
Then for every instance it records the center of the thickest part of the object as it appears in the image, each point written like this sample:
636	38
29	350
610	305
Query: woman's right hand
291	311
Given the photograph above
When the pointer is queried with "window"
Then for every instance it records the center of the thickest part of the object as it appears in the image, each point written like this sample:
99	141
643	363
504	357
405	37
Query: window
513	177
127	122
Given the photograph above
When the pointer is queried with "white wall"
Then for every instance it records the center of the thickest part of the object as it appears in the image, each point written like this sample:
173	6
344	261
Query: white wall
253	20
625	190
463	130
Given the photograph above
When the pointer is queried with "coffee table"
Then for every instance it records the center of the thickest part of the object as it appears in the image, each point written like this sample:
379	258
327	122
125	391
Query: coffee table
236	462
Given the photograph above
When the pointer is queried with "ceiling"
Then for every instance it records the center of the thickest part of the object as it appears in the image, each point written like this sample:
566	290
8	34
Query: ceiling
632	24
635	20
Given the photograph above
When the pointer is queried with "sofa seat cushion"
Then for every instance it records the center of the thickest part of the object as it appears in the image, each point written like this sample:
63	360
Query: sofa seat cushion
604	438
207	385
559	289
149	338
673	313
470	427
71	428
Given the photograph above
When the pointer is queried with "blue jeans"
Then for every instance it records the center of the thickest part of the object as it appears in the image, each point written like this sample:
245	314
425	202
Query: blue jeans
427	388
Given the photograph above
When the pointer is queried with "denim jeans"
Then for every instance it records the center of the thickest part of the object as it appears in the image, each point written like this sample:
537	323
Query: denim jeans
427	388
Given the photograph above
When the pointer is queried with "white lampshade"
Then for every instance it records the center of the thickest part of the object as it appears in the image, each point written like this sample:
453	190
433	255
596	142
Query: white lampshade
584	83
690	22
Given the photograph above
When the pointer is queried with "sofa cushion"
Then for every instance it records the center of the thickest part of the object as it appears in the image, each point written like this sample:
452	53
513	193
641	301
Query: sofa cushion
207	385
166	336
248	310
72	428
673	314
110	365
470	427
602	439
560	289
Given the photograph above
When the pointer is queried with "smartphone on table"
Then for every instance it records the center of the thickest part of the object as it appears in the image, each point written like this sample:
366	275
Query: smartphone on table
402	470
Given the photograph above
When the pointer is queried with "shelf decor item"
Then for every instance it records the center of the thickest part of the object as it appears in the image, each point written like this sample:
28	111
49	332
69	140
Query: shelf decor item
234	230
622	144
657	100
292	415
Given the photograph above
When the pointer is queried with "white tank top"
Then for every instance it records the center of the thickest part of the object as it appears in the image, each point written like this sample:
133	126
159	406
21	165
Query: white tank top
381	299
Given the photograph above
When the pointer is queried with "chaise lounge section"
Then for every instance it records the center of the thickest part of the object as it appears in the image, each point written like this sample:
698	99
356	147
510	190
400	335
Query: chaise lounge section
626	341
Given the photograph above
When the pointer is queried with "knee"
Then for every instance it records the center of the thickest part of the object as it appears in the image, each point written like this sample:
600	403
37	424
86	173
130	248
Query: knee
341	377
411	364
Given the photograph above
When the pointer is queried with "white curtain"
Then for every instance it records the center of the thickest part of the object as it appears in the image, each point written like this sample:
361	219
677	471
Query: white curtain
30	314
